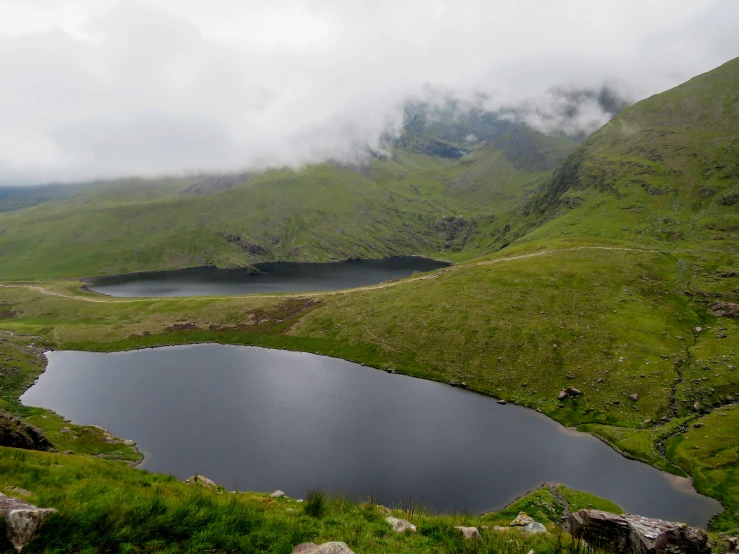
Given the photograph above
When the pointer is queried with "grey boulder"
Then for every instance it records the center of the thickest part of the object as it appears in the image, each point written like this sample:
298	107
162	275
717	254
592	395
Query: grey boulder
200	480
400	525
469	532
534	528
630	534
522	520
325	548
21	520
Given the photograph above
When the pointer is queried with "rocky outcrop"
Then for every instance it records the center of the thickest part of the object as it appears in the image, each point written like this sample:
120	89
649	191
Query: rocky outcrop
400	525
21	520
629	534
200	480
277	494
325	548
16	433
725	309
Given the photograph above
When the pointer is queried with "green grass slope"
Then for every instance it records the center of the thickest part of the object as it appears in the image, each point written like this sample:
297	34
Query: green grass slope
663	172
406	203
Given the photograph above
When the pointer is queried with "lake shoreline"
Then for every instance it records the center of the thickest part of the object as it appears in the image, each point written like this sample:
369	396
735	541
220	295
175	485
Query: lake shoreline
399	370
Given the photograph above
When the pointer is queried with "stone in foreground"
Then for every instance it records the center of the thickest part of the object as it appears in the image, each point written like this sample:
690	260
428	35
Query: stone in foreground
469	532
21	519
325	548
400	525
535	528
629	534
522	520
200	480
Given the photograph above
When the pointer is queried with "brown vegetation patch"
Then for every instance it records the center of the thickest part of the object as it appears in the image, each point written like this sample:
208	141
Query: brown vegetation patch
275	319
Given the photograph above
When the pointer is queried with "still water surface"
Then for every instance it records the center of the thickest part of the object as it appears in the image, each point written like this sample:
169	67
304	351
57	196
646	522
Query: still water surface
260	419
274	277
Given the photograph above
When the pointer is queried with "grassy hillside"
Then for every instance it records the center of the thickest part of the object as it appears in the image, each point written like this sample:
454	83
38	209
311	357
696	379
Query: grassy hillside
664	172
407	203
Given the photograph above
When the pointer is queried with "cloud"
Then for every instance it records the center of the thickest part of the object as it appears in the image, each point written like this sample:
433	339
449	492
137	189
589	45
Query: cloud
104	88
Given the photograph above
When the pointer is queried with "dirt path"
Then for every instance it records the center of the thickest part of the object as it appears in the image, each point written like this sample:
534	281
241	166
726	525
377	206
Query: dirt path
434	275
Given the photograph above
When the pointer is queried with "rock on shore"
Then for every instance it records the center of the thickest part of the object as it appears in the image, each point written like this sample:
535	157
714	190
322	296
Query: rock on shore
630	534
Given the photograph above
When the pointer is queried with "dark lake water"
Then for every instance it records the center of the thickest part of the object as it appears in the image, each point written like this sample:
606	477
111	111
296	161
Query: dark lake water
274	277
262	420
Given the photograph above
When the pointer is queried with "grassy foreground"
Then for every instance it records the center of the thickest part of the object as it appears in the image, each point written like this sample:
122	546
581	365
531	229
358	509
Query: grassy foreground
107	506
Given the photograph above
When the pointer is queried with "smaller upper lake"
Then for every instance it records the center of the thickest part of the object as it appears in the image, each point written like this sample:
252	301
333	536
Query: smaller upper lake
273	277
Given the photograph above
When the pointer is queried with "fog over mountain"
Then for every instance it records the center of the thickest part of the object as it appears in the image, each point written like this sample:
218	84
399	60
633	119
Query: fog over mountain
104	88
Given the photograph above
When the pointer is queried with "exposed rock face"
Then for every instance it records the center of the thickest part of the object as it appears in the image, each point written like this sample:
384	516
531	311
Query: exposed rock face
325	548
200	480
21	519
16	433
469	532
400	525
277	494
629	534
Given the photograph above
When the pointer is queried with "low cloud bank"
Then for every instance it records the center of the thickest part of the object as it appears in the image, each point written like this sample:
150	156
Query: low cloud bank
107	88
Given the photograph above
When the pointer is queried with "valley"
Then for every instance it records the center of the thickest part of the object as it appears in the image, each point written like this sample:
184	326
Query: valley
597	284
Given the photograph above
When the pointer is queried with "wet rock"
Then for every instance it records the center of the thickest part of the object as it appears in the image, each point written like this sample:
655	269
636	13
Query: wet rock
469	532
200	480
502	402
522	520
325	548
630	534
21	520
400	525
277	494
634	397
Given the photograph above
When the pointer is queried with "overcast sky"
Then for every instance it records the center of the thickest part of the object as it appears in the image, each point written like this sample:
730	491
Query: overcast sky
104	88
